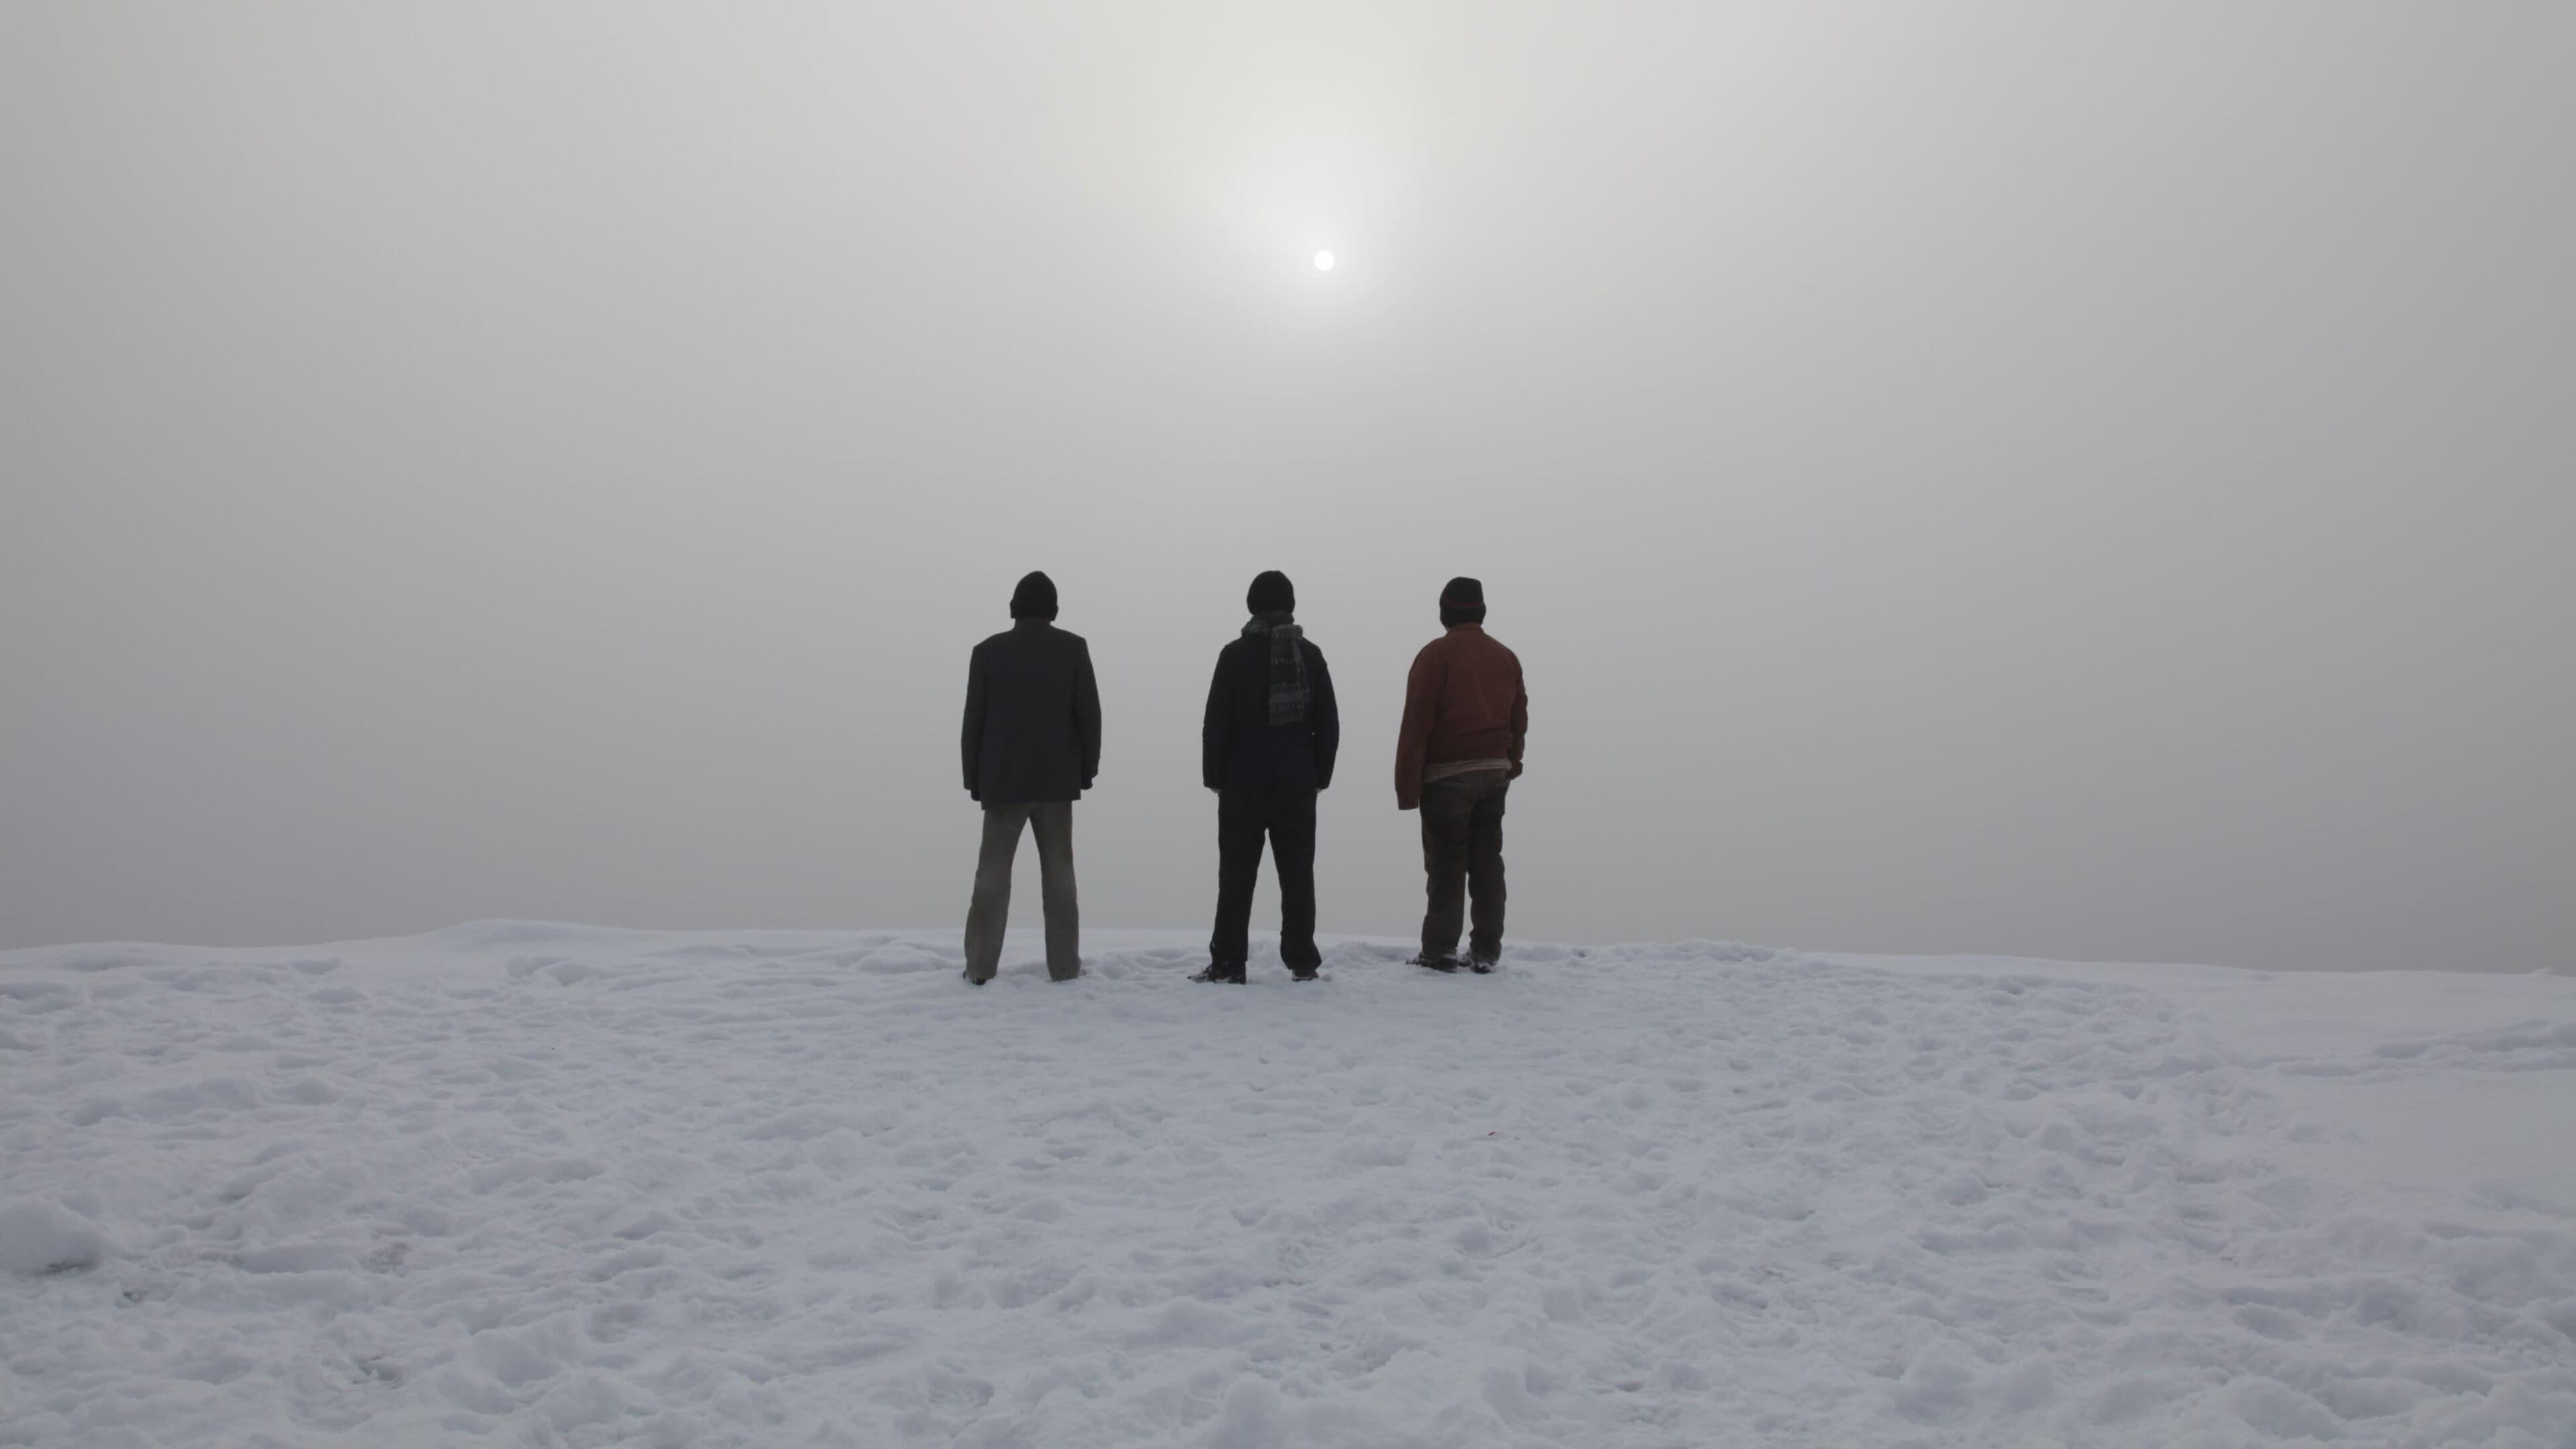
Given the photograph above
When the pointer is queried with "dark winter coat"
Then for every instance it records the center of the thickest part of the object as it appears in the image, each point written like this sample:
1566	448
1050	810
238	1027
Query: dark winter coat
1240	749
1032	717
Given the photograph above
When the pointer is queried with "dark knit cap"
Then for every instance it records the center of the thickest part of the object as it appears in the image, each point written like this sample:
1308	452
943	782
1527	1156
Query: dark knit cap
1271	593
1462	602
1034	598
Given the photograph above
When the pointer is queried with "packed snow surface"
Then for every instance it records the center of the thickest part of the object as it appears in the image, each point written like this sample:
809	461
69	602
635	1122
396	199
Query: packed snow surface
553	1185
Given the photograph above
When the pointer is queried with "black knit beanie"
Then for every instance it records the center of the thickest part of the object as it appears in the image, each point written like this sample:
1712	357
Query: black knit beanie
1462	601
1271	593
1034	598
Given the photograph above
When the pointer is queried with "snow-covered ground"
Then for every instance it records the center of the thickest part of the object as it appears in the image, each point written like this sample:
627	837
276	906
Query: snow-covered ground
536	1184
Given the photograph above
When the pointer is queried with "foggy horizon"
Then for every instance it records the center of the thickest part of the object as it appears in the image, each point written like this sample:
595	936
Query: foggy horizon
2081	485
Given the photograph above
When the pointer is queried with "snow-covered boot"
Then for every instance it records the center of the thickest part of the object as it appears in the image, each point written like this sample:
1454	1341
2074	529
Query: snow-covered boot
1222	973
1436	963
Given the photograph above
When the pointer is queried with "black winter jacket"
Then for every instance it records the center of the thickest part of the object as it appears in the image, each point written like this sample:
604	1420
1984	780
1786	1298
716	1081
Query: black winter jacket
1240	749
1032	716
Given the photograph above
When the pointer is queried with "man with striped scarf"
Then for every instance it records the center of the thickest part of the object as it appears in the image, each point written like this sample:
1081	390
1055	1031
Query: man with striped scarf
1266	749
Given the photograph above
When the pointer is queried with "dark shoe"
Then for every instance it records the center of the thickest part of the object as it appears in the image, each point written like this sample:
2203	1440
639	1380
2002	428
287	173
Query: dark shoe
1482	966
1222	973
1436	963
1075	975
1304	973
974	980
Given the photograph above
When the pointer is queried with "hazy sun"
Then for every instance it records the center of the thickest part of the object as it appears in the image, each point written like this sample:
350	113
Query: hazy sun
1323	261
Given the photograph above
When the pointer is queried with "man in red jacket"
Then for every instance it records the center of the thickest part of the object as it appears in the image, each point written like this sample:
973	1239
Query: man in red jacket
1465	716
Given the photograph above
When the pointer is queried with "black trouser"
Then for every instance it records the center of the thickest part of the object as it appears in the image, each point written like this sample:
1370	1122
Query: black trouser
1243	818
1462	844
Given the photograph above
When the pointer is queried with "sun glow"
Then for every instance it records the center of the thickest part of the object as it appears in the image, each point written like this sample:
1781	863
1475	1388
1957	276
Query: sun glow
1323	261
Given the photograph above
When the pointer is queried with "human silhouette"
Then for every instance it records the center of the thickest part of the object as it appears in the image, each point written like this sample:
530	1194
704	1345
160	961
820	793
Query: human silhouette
1031	747
1266	749
1466	714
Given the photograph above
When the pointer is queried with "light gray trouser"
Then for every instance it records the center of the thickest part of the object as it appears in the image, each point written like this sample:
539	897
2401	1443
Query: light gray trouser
990	911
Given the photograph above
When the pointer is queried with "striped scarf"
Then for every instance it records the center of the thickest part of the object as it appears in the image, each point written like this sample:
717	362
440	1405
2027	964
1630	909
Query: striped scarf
1287	664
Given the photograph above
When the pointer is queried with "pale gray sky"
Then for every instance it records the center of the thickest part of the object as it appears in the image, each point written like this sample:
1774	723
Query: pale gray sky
2064	480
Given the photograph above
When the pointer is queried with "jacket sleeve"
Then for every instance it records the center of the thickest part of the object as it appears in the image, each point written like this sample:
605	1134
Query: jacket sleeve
1520	716
1086	716
1216	732
1413	738
971	739
1328	720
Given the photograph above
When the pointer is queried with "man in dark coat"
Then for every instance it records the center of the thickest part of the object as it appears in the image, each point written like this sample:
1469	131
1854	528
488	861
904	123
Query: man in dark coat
1465	717
1032	746
1266	749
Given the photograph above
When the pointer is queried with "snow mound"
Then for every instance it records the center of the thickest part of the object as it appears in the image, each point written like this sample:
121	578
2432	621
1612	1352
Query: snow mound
39	1237
523	1182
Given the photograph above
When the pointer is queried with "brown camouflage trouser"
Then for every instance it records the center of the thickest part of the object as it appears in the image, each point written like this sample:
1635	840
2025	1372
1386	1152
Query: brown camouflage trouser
1052	822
